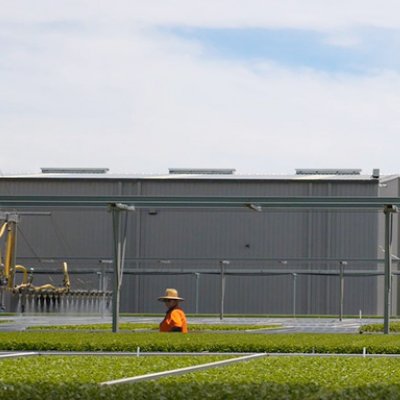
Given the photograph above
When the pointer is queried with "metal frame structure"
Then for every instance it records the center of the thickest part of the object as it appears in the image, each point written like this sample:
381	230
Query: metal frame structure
118	204
199	201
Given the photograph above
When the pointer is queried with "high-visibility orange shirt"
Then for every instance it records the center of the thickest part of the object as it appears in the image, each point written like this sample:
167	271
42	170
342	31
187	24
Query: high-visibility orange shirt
173	319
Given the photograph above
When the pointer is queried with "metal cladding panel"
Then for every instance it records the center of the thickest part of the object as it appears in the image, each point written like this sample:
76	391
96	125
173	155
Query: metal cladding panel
256	295
340	234
271	233
343	188
222	234
262	294
84	237
60	187
221	188
324	294
67	233
152	287
344	235
241	294
391	188
360	296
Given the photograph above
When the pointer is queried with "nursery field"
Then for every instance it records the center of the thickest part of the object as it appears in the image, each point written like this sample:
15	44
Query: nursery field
269	377
289	366
200	342
134	326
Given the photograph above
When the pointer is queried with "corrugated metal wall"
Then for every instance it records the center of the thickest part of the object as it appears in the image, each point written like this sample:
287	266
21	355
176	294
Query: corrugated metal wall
390	188
84	237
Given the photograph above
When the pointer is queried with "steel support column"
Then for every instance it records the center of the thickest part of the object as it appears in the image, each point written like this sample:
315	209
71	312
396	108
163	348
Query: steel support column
197	277
341	288
388	211
120	219
294	276
222	271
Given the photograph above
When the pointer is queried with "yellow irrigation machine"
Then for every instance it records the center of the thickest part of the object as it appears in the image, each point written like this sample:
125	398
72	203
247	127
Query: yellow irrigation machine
25	293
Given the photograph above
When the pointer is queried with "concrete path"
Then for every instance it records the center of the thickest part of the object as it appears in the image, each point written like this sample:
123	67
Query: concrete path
287	325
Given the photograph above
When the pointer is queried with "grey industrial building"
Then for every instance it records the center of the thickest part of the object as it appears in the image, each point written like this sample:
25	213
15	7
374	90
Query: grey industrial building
275	261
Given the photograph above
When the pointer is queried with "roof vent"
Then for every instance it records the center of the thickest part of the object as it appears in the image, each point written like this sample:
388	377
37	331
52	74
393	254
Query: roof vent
375	173
74	170
201	171
328	171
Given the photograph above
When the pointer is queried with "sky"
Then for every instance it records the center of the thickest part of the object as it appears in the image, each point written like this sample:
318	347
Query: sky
261	86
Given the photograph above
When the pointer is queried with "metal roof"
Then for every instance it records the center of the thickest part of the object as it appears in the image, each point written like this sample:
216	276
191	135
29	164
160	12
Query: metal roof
192	176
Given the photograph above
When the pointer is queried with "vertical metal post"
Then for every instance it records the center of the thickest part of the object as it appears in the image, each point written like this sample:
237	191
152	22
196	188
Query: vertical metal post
222	282
391	296
294	275
99	303
117	268
341	288
10	256
136	277
197	277
119	231
388	211
104	303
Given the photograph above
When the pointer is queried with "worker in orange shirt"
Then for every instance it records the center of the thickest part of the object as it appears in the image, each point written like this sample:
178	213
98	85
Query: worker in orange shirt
175	318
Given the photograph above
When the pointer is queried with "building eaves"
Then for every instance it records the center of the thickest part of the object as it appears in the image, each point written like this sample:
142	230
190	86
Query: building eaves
200	177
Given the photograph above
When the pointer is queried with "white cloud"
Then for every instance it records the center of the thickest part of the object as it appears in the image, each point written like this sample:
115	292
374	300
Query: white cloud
341	39
128	97
304	14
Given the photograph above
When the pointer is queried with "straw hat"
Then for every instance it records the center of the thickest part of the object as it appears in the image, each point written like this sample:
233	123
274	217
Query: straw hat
170	294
